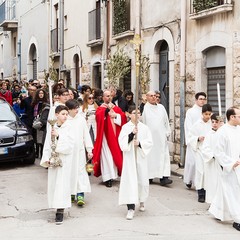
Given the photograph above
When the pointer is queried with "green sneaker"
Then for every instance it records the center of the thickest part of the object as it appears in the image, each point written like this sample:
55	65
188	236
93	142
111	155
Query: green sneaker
73	198
80	201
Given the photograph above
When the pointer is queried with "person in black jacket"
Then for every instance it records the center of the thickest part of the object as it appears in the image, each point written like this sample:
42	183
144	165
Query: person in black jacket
118	99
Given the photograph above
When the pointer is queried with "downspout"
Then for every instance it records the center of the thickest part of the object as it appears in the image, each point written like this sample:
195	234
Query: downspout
61	43
19	61
182	80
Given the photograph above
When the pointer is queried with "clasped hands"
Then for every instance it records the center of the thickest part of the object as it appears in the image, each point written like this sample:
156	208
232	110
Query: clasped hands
135	141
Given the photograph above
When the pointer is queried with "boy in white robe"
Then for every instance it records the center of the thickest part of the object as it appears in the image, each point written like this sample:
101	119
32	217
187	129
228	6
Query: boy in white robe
134	185
211	166
59	177
225	205
196	137
78	129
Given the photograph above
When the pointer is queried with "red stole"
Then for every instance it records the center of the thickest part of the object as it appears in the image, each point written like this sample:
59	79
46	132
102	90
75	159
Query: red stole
112	131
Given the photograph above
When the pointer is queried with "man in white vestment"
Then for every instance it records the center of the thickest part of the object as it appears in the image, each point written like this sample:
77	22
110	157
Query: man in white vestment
134	184
196	139
192	116
155	117
82	142
225	205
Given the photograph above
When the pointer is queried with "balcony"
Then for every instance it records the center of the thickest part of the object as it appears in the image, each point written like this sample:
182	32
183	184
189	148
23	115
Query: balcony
94	28
54	41
8	19
121	19
204	8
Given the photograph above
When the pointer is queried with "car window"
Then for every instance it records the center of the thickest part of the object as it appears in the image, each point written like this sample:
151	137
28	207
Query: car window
6	113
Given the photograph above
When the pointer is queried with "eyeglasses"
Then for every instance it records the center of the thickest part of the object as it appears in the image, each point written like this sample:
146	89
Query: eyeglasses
90	98
65	94
202	99
152	95
158	97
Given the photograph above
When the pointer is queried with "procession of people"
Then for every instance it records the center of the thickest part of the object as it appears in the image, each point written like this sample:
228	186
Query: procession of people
120	141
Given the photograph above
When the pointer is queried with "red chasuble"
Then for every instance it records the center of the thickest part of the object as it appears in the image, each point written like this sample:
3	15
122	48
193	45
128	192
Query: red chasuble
105	125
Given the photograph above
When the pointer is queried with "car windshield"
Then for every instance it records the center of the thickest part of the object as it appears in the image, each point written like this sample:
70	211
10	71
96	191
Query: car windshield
6	114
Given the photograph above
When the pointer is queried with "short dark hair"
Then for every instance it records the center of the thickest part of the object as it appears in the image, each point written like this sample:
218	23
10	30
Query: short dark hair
60	108
230	112
84	88
61	91
214	117
72	104
131	108
200	94
206	108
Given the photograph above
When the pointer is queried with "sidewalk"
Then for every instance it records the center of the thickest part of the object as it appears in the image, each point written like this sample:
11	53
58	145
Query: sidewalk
176	170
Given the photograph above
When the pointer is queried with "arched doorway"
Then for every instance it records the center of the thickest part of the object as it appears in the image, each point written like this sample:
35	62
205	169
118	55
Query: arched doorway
164	74
97	79
77	68
32	64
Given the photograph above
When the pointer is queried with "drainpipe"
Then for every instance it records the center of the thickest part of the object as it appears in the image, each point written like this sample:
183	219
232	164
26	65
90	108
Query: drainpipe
61	32
19	61
182	80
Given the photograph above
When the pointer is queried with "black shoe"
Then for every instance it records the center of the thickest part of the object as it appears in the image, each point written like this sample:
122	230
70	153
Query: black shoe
108	183
236	226
165	181
59	218
201	199
150	181
189	185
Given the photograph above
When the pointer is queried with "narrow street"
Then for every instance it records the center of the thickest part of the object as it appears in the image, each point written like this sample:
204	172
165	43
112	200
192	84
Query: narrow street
171	212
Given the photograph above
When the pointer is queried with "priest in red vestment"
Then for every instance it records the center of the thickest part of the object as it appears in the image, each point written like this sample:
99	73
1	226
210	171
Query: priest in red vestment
107	155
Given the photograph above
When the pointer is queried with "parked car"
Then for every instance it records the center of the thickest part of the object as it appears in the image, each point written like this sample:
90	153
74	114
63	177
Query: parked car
16	141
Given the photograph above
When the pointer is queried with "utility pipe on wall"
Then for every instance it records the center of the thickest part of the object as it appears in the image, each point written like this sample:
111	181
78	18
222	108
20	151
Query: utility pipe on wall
182	80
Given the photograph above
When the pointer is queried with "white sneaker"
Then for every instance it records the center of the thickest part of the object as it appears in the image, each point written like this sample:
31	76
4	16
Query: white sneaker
141	208
130	214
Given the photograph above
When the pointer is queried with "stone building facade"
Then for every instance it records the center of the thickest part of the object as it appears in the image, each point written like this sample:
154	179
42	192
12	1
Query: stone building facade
190	48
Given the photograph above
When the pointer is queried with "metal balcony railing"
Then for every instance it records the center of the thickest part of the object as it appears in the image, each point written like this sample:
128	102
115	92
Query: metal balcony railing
7	11
201	5
54	40
94	27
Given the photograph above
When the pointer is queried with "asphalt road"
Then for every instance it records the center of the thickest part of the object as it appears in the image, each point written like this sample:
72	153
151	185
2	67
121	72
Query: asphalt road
171	212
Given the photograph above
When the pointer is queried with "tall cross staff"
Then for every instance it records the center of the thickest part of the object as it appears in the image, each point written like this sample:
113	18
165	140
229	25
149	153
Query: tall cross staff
137	44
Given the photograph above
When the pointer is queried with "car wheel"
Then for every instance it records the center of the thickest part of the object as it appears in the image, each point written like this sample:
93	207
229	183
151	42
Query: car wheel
30	159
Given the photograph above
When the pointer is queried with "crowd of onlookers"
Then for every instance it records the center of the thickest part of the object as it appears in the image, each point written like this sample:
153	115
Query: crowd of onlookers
31	99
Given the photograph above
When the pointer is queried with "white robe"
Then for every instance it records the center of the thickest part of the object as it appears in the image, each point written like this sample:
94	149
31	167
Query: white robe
82	140
200	128
59	192
108	167
225	205
134	184
211	166
192	116
156	118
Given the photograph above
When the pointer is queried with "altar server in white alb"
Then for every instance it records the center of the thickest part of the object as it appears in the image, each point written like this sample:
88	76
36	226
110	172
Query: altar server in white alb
80	183
59	190
212	169
196	138
226	203
192	116
156	118
134	184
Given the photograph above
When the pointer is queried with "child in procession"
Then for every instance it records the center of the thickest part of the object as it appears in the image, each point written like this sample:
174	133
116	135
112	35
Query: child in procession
82	142
59	177
196	138
135	141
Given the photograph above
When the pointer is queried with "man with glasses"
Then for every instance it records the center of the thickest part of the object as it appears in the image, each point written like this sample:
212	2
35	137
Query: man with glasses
156	118
225	205
192	116
158	97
